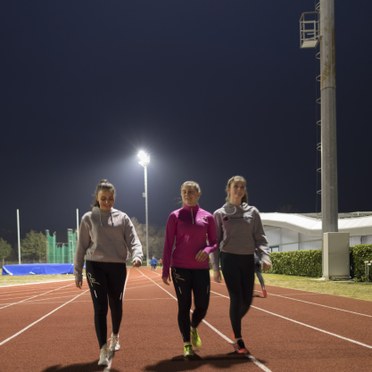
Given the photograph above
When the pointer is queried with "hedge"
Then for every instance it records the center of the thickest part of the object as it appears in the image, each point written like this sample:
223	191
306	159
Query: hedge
309	263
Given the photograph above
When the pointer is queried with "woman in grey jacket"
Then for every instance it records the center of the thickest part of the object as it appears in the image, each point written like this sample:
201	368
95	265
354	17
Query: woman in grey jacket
107	238
239	233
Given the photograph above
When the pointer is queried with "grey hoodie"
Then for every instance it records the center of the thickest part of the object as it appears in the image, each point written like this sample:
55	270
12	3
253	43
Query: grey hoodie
239	231
106	237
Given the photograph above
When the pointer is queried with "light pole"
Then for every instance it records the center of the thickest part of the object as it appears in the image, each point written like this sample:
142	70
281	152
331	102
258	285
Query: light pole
144	160
19	238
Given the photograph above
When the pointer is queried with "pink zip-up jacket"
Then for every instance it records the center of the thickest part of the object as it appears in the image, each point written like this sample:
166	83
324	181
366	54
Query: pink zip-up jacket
188	230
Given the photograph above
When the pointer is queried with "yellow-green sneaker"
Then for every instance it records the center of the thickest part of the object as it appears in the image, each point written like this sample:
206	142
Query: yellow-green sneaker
188	351
195	339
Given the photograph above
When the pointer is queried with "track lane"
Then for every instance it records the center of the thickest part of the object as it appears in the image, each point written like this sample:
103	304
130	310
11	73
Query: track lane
27	308
288	344
158	327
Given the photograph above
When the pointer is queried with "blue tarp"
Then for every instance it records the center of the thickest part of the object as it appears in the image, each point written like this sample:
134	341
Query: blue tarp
37	269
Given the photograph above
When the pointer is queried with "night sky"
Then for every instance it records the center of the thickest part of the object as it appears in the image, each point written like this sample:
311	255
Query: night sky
210	88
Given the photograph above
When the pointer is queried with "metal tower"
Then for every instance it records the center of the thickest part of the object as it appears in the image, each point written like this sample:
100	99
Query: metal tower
318	27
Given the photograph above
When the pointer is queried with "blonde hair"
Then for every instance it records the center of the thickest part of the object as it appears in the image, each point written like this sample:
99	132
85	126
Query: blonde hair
237	179
193	184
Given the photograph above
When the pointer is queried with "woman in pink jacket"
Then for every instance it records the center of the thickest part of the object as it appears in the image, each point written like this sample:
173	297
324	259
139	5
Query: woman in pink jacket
190	238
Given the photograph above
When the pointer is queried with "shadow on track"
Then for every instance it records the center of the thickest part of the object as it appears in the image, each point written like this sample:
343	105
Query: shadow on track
85	367
179	363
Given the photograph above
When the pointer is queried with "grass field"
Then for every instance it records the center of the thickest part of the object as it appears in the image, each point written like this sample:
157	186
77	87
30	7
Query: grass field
357	290
361	291
24	279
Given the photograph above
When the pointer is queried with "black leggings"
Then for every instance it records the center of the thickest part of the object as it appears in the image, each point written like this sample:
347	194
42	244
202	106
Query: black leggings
106	282
238	272
186	282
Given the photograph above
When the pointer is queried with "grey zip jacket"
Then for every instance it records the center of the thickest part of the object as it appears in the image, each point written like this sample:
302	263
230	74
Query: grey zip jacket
106	237
239	231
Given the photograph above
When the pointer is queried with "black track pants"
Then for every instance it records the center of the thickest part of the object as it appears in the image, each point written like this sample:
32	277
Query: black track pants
187	282
106	282
238	272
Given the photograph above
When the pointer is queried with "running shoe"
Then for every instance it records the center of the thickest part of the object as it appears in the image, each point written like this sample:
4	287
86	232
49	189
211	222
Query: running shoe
114	342
240	347
188	352
103	356
195	339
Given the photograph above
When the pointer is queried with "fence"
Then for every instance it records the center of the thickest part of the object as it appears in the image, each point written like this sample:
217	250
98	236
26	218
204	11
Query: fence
61	252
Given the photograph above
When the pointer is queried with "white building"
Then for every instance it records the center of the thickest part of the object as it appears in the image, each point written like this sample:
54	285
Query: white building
292	231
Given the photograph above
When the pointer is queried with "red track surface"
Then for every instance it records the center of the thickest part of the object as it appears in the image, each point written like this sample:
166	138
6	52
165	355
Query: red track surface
49	327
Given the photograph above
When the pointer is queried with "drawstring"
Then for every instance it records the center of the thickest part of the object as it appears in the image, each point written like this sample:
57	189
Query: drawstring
192	216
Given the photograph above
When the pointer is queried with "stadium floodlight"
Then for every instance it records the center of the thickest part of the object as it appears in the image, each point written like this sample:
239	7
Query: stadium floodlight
144	161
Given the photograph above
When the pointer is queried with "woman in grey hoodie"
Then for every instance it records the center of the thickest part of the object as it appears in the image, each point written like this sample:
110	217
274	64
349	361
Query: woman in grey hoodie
239	233
107	238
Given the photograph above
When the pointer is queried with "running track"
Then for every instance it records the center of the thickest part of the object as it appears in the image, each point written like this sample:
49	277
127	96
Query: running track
48	327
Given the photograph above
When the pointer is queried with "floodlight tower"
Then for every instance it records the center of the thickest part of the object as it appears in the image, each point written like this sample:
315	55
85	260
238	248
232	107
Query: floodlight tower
144	160
318	27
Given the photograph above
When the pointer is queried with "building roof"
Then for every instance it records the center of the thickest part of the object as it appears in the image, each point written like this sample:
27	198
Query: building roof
356	223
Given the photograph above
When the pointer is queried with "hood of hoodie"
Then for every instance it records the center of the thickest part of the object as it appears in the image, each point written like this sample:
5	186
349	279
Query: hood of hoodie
233	209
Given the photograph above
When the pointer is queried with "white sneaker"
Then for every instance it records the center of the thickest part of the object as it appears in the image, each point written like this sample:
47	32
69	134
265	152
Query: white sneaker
114	342
103	356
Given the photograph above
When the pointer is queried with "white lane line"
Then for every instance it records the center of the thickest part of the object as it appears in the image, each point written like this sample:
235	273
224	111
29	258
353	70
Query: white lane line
163	289
50	300
40	319
249	356
32	297
52	312
125	284
317	329
230	341
306	325
35	283
321	305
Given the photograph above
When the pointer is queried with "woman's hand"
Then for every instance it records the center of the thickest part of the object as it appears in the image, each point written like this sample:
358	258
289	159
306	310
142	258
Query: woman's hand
78	281
201	256
166	279
266	262
136	262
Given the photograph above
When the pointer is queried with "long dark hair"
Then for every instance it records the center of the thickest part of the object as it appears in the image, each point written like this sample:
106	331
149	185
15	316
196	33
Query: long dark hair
237	179
104	184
